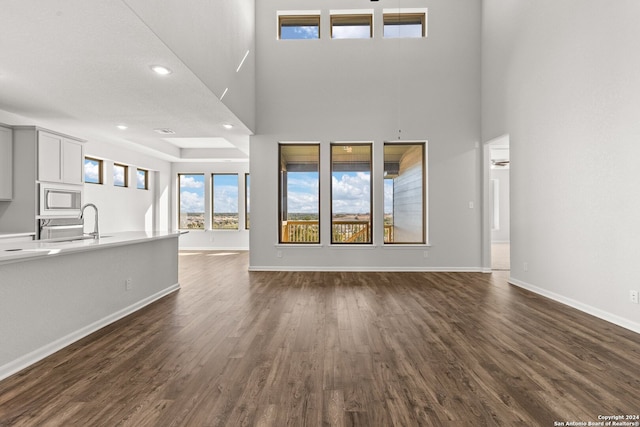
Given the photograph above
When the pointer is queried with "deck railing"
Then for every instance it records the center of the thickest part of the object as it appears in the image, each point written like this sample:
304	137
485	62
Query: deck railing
343	232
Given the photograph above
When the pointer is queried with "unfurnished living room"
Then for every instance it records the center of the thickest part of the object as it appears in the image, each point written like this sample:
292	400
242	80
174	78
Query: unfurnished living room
347	212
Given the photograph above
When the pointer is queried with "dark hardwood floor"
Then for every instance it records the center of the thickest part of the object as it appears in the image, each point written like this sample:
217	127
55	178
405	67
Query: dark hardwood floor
347	349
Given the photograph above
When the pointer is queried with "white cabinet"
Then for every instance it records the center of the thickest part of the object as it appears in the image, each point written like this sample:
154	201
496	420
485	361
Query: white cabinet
60	159
6	164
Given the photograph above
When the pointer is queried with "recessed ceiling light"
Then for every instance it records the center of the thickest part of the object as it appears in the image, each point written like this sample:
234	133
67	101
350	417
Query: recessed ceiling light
159	69
227	126
122	127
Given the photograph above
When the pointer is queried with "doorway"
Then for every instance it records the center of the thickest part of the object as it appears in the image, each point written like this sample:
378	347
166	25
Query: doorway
499	165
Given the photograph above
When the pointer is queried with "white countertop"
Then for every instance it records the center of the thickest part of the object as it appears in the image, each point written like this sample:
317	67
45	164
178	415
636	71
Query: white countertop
11	235
29	250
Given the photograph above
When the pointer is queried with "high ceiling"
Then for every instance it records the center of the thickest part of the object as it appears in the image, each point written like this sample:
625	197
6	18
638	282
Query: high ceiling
83	68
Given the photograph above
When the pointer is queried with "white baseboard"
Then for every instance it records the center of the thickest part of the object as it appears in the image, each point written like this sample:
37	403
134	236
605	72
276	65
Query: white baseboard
211	248
393	269
35	356
596	312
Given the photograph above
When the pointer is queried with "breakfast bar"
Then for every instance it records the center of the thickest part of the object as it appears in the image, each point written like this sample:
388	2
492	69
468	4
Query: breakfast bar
53	293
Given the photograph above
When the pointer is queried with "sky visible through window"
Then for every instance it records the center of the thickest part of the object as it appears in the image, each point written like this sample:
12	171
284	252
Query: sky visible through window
302	192
299	32
225	193
91	171
119	178
142	179
192	193
351	32
395	31
350	192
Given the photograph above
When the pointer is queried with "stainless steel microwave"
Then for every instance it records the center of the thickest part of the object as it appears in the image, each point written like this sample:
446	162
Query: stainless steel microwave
60	200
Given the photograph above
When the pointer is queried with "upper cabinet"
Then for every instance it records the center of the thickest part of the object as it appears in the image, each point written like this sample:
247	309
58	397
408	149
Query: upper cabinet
6	164
60	159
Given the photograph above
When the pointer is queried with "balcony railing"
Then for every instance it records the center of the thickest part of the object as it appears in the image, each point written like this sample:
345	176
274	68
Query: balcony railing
343	232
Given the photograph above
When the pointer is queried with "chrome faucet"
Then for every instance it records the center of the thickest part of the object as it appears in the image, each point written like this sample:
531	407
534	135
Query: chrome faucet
95	234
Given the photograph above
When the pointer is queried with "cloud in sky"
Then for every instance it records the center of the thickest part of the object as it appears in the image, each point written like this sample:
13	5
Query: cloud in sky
191	181
191	193
351	192
302	192
191	202
225	199
91	171
118	175
351	32
141	180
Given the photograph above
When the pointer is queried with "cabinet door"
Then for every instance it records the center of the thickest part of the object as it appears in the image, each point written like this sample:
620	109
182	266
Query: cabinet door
49	157
6	164
72	162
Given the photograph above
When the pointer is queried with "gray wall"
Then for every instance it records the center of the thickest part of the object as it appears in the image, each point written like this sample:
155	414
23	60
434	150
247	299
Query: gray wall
367	90
561	79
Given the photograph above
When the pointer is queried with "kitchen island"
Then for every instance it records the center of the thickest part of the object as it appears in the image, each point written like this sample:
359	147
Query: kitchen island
53	293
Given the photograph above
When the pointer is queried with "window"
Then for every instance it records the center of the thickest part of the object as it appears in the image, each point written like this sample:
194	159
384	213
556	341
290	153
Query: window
299	185
225	201
191	201
93	171
351	26
142	176
120	175
247	199
404	193
293	27
404	25
351	200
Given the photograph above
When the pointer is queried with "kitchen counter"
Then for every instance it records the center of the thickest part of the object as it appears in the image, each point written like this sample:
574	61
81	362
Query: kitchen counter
13	235
23	251
55	292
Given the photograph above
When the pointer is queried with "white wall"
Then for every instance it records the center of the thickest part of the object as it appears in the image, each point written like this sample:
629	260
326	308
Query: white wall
209	239
501	234
367	90
128	209
561	78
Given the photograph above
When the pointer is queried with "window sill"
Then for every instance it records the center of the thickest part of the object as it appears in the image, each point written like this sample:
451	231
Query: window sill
353	246
406	246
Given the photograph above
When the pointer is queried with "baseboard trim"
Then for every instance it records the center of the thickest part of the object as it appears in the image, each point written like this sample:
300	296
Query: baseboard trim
369	269
593	311
29	359
211	248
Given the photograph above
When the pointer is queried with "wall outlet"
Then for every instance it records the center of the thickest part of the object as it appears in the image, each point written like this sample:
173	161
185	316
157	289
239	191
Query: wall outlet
425	254
633	296
525	266
127	284
279	254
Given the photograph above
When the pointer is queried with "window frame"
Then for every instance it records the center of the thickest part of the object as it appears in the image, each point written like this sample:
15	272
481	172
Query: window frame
146	179
204	217
403	18
423	144
100	170
126	175
371	179
281	189
299	19
213	208
351	19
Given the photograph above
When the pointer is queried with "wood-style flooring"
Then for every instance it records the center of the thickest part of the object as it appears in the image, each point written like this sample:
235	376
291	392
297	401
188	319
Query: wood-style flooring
234	348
